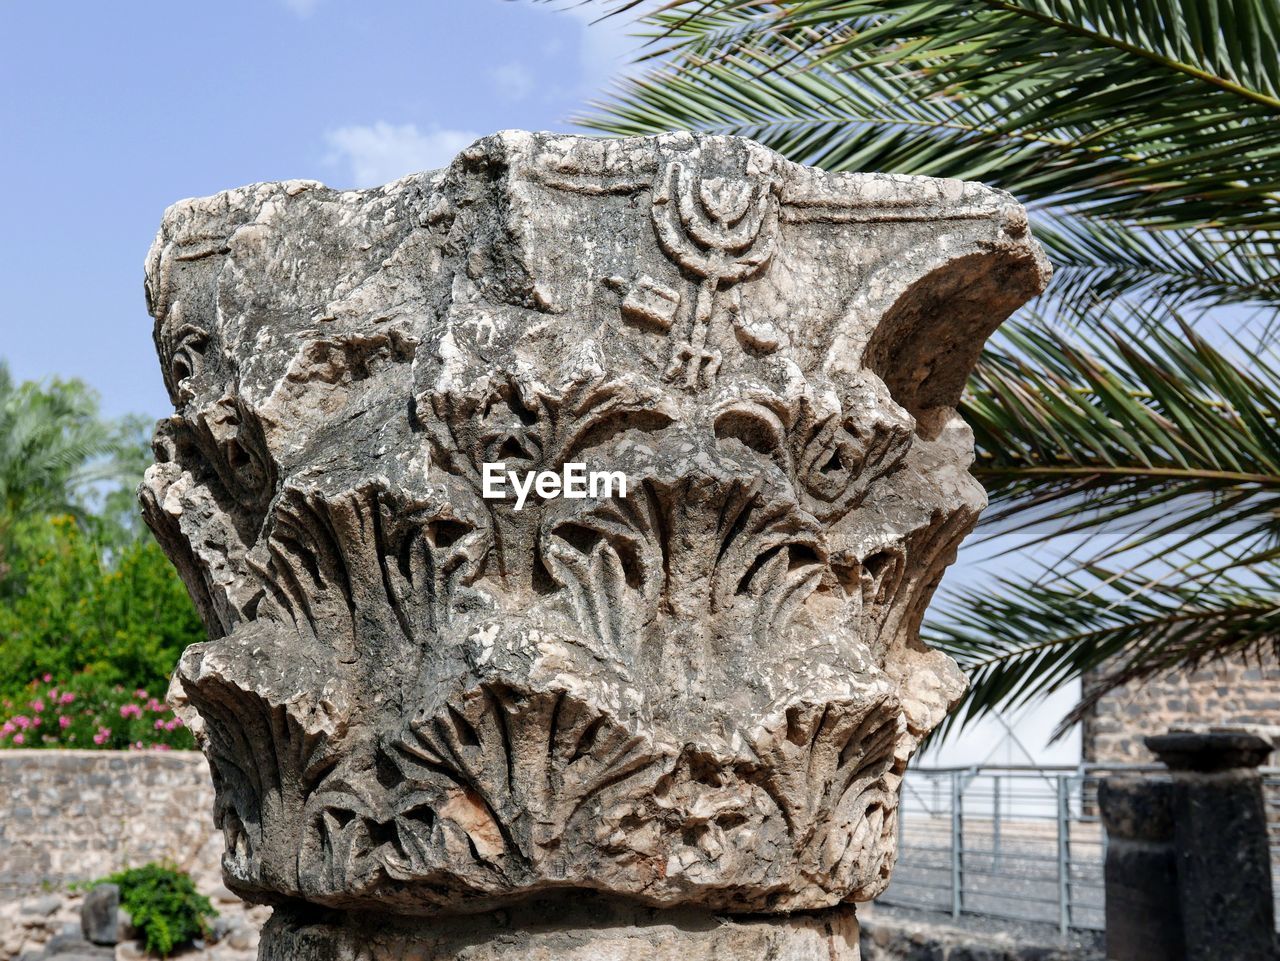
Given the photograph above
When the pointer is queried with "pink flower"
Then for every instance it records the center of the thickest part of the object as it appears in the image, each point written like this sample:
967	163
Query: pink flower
64	721
48	678
102	735
140	693
160	747
160	724
8	728
67	697
18	738
130	710
36	722
37	705
22	721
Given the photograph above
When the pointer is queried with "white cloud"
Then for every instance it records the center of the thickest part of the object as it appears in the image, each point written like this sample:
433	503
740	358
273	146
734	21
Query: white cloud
383	151
512	80
303	8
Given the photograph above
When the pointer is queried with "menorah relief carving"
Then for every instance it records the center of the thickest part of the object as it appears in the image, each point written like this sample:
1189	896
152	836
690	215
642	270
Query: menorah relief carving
419	702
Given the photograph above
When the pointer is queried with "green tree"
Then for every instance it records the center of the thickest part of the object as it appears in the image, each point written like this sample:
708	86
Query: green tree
1118	409
120	615
84	588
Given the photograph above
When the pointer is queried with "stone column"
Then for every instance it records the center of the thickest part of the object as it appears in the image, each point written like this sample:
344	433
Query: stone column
664	714
1144	921
1220	832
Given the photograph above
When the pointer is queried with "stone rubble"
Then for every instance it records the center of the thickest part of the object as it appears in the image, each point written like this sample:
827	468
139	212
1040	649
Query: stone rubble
53	926
894	935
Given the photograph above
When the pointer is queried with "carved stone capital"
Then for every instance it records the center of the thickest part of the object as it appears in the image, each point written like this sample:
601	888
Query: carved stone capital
419	701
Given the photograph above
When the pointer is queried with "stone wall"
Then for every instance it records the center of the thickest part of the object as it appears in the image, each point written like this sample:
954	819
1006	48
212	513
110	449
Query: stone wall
1232	694
77	815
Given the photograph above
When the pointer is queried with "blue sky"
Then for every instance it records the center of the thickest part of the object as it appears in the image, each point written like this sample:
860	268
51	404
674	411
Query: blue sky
109	112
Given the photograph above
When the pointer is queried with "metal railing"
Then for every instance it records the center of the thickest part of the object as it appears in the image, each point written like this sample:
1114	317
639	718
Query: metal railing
1023	843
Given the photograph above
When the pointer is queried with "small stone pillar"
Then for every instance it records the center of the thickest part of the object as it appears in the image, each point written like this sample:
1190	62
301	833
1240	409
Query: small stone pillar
657	706
1144	921
1220	834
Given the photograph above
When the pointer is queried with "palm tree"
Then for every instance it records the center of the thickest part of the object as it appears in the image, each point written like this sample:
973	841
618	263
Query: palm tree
1133	407
52	450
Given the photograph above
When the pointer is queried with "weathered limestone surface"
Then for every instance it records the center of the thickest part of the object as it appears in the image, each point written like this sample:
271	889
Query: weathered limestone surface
417	701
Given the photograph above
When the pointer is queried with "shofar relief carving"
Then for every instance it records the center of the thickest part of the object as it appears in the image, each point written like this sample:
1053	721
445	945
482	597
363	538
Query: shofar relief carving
420	703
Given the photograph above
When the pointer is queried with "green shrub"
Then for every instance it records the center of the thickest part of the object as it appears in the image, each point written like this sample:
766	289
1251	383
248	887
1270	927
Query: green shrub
163	905
76	602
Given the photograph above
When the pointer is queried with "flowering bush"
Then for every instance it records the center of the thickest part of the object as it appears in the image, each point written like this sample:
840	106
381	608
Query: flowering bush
84	714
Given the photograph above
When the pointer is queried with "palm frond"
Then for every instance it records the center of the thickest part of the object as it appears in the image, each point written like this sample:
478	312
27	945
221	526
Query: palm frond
1161	438
50	442
1158	117
1098	261
1027	637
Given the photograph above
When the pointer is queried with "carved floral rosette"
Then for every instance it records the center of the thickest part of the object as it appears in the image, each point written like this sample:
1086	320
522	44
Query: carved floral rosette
705	693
